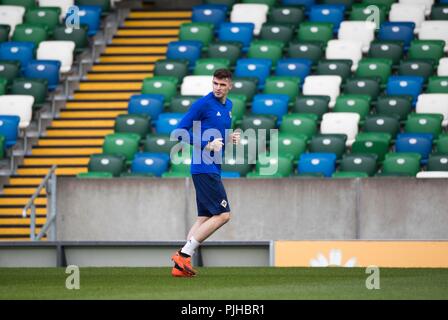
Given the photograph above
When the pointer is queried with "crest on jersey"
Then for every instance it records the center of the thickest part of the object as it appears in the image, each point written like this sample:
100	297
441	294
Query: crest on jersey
224	203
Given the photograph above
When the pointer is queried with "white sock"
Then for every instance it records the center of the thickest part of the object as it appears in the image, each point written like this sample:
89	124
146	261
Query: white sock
190	246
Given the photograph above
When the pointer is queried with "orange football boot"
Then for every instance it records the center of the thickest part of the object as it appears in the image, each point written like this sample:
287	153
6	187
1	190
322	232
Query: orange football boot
178	272
183	263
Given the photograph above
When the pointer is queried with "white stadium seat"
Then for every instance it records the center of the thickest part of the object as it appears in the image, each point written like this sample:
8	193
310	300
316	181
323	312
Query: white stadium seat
18	105
427	3
57	50
433	103
341	123
345	49
408	13
442	69
196	85
250	12
12	16
362	31
324	86
434	30
63	4
432	174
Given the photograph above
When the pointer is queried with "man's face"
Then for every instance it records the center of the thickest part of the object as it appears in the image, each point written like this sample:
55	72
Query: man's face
221	87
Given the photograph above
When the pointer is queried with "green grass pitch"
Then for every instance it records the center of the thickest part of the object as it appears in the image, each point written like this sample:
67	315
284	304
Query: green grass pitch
224	284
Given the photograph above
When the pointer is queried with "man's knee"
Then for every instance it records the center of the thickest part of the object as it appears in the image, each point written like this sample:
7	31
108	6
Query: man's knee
225	217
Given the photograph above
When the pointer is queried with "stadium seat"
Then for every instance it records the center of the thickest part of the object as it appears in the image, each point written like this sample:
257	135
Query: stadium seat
323	163
11	16
358	31
329	143
276	32
365	163
292	145
239	32
113	164
29	33
78	35
147	104
405	85
434	30
424	123
63	5
437	85
207	67
17	105
44	69
439	12
57	50
294	67
250	12
47	17
438	162
133	123
162	85
427	3
124	144
254	68
286	14
408	13
401	164
345	50
315	32
426	49
236	164
238	108
150	163
9	128
323	86
280	166
271	104
433	103
364	86
420	143
397	31
349	175
317	105
382	123
306	50
332	13
27	4
197	31
104	5
188	50
298	124
37	88
225	50
335	67
361	12
173	68
442	144
283	85
244	86
419	68
196	85
359	104
4	32
372	143
9	70
17	51
305	3
181	104
3	83
370	67
167	122
258	123
341	123
91	17
158	143
399	106
266	49
386	50
211	13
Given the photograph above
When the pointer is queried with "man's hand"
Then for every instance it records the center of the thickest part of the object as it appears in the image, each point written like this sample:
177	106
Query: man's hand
235	137
215	145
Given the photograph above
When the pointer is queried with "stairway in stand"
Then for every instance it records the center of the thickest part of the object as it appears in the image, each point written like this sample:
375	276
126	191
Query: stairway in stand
80	129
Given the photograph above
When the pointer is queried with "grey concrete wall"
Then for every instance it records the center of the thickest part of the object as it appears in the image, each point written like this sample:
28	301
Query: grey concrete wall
287	209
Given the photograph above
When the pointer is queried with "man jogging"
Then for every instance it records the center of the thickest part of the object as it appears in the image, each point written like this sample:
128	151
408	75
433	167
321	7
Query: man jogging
213	114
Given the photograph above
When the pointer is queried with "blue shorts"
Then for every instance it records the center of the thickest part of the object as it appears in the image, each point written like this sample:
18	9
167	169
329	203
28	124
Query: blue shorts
211	197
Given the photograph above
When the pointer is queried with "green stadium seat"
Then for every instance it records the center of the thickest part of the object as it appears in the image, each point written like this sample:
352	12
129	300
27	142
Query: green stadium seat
385	3
437	162
197	31
335	67
317	105
3	84
399	106
421	68
371	67
38	88
95	175
349	175
292	145
4	32
285	14
402	163
360	12
78	35
424	123
171	68
181	104
266	49
283	85
284	165
259	122
299	123
107	163
365	163
442	144
315	31
363	85
9	70
372	143
426	49
277	32
124	144
27	4
306	50
382	123
2	146
236	164
207	67
269	3
164	85
133	123
437	85
30	33
244	86
329	143
44	16
225	50
439	11
392	50
359	104
239	107
158	143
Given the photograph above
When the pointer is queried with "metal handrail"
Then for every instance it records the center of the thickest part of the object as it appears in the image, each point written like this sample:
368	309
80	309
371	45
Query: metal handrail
49	181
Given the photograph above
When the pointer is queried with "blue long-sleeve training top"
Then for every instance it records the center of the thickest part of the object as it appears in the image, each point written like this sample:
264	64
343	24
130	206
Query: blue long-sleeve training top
211	114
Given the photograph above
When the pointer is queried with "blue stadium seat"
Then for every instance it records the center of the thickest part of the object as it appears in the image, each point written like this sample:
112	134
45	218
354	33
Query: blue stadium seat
44	69
149	104
211	13
254	68
294	67
90	16
332	13
323	163
147	162
9	129
273	104
167	122
397	31
415	142
19	51
239	32
405	85
189	50
306	3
